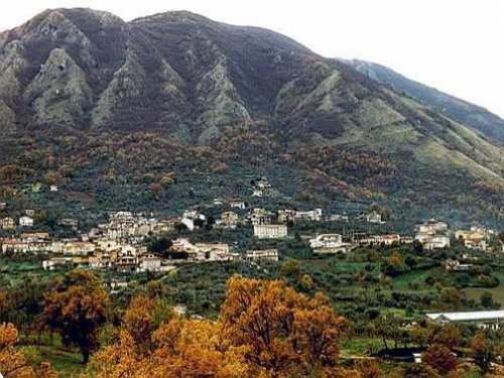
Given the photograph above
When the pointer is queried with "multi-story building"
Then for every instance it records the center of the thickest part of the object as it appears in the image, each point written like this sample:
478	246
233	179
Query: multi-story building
310	215
149	263
433	234
476	238
329	243
228	219
26	221
263	254
270	231
202	251
260	216
7	223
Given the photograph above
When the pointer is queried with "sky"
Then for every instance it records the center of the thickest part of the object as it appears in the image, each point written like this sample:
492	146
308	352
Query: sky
456	46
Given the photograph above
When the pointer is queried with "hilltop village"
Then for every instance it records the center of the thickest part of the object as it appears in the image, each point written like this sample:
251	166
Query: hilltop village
135	242
393	282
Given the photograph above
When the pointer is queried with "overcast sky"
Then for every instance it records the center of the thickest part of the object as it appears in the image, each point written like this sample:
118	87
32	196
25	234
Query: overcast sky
454	45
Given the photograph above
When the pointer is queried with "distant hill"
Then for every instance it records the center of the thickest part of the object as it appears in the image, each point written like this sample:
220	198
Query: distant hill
474	116
174	109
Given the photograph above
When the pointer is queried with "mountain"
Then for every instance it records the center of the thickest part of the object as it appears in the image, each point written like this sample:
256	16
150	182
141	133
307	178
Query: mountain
473	116
174	109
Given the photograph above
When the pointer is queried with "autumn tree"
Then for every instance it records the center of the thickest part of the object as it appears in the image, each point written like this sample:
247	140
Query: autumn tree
12	362
197	348
448	335
283	330
183	348
265	329
119	360
137	321
142	318
483	350
76	308
440	358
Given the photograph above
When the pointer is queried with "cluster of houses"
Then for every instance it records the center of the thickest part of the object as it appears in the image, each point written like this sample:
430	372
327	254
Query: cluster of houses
475	238
184	250
329	244
433	234
116	244
9	223
334	243
120	242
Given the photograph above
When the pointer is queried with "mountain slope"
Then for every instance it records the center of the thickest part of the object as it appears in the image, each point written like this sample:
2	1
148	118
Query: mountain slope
176	109
471	115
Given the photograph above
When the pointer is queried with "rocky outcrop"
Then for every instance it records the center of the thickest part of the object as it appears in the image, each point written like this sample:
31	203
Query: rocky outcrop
59	92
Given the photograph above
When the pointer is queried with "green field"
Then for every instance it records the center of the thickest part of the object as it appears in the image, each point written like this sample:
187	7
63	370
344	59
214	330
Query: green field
67	363
497	293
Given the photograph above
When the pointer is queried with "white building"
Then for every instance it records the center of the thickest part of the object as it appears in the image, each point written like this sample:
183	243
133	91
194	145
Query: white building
189	223
52	263
261	187
190	217
431	242
108	245
202	251
238	205
18	246
338	218
26	221
432	226
7	223
456	266
484	319
78	248
385	239
149	263
374	217
329	243
264	254
311	215
476	238
270	231
433	234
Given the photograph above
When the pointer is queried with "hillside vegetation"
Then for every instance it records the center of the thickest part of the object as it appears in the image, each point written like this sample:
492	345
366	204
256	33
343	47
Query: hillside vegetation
176	109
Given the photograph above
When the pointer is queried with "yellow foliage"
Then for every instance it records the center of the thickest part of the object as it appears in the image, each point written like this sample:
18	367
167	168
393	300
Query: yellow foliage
265	329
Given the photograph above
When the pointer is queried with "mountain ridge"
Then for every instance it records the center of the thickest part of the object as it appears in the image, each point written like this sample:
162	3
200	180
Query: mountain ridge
477	117
113	109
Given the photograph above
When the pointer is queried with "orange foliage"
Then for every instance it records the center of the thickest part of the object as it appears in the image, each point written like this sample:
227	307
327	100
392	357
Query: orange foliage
77	309
140	320
265	329
440	358
285	331
12	362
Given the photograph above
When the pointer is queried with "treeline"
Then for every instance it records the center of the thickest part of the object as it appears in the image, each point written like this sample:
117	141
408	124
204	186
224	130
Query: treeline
265	328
